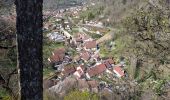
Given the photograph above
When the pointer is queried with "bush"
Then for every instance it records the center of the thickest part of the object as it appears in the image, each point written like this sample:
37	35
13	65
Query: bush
78	95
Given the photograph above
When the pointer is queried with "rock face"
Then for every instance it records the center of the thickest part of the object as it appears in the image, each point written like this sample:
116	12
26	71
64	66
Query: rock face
63	86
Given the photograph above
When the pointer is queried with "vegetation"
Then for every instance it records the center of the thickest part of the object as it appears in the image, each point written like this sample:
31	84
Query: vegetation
143	39
54	4
48	48
92	12
78	95
147	29
4	95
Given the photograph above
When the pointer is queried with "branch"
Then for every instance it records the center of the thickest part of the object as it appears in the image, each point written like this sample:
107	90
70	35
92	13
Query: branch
9	47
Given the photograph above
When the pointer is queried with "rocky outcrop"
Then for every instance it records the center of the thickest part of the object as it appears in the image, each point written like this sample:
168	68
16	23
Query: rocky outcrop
70	83
63	86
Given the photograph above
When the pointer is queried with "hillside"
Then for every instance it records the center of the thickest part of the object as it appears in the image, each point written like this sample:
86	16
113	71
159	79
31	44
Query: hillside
144	41
58	4
85	44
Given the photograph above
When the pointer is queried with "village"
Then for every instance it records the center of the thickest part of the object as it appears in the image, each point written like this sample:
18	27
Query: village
93	72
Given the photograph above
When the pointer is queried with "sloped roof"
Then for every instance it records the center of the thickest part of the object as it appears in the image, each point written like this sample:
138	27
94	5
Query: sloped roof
56	58
59	51
82	67
69	70
58	55
119	71
111	61
96	70
85	55
108	64
90	44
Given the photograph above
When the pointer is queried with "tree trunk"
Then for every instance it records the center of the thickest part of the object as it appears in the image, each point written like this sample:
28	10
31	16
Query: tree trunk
29	38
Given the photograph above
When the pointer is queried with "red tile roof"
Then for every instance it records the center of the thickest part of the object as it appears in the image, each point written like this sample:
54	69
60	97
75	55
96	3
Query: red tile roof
56	58
119	71
111	61
69	70
85	55
96	70
82	67
58	55
90	44
59	51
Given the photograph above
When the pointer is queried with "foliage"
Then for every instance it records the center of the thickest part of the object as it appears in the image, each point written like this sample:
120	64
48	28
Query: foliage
158	86
150	30
4	94
48	48
78	95
95	36
55	4
92	12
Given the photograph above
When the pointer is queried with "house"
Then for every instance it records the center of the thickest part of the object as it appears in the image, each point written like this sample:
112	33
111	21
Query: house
55	36
119	71
96	70
79	71
85	55
59	51
57	56
90	45
109	63
80	38
67	70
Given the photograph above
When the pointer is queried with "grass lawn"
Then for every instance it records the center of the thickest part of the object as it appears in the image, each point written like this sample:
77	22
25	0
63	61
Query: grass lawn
47	72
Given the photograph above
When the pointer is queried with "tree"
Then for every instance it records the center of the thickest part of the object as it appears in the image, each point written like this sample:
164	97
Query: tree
29	41
78	95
